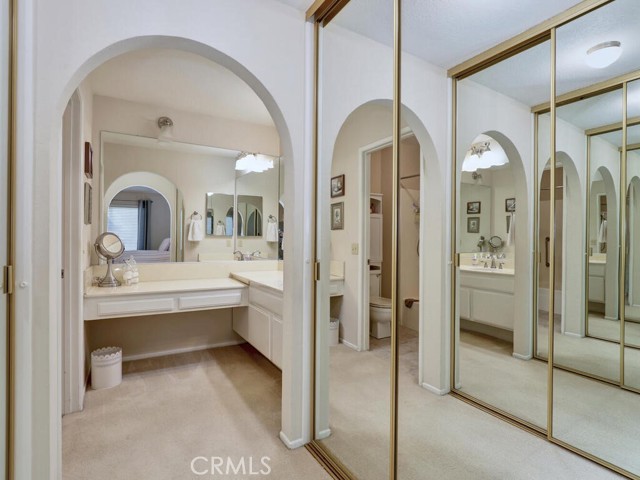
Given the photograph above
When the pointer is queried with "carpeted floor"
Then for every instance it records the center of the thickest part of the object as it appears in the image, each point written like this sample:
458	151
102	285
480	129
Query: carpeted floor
441	436
168	410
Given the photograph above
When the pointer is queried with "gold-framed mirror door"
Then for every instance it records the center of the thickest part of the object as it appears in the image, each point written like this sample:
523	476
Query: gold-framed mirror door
588	403
355	221
7	57
493	332
581	160
631	295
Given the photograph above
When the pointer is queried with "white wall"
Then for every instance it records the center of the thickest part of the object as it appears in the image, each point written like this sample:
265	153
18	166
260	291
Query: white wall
52	63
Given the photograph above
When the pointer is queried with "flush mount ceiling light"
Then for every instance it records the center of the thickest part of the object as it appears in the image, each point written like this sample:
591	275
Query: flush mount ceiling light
165	124
604	54
480	156
253	162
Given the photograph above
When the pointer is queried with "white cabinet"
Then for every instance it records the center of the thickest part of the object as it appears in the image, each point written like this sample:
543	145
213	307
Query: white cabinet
487	298
260	323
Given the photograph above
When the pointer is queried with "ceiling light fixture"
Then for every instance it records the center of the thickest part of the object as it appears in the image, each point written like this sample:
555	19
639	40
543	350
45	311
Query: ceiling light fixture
165	124
480	156
253	162
604	54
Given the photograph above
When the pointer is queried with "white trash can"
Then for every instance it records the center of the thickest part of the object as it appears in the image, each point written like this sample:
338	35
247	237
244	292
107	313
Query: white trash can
106	367
334	332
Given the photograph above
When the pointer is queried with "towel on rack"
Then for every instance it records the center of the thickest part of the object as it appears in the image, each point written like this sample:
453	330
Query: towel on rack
602	232
272	231
511	234
196	230
220	229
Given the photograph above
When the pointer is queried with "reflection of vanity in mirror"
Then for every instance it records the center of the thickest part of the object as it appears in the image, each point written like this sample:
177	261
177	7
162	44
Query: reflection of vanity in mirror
487	239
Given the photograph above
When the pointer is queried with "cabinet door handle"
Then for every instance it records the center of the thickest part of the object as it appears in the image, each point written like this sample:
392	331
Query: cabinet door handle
546	253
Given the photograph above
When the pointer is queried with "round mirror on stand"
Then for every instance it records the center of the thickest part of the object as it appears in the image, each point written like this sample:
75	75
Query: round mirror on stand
109	246
495	242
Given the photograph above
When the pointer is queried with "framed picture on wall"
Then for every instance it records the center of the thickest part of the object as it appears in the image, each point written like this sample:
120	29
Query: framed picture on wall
88	160
473	208
337	186
88	204
510	205
473	225
337	216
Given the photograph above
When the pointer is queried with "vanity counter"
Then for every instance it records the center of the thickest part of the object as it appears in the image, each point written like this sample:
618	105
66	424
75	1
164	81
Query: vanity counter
493	271
163	296
271	279
164	286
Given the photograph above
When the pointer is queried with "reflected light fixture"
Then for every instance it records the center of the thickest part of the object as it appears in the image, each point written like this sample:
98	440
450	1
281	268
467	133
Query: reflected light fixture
480	156
253	162
165	124
604	54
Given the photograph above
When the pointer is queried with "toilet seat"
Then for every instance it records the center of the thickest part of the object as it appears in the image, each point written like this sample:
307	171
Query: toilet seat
380	302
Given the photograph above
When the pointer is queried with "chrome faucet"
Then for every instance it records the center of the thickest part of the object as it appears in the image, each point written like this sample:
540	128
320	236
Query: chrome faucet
256	254
493	261
240	253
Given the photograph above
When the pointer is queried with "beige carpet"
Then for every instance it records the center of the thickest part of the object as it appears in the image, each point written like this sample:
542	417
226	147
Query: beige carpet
439	436
221	402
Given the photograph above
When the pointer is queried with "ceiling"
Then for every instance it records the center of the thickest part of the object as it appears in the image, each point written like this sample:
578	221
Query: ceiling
447	32
179	80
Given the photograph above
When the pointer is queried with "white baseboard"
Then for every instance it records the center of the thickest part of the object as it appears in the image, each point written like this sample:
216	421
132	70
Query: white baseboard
575	335
611	318
291	444
326	433
519	356
175	351
432	389
349	344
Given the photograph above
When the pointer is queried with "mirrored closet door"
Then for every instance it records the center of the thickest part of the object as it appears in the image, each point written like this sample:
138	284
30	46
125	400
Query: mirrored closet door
493	331
594	408
355	229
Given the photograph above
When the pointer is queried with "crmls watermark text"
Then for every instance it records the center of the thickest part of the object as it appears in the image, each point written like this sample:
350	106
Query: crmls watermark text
222	466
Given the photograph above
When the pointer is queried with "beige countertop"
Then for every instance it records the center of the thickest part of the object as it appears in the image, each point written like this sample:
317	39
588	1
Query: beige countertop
273	279
165	286
492	271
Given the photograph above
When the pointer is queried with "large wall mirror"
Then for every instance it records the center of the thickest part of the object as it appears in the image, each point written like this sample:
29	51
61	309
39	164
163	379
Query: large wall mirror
151	200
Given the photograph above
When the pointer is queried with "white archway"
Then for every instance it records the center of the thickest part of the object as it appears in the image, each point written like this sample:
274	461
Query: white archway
38	386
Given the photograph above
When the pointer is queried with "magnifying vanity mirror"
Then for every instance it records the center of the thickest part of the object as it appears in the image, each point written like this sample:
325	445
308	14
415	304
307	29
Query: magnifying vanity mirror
109	246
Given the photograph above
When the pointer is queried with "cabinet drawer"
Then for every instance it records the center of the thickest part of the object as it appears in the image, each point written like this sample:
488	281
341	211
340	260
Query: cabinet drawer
128	307
276	341
266	300
259	330
222	299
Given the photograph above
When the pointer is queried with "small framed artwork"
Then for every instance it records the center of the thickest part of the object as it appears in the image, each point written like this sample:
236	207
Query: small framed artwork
88	160
337	186
510	205
473	208
337	216
473	225
88	204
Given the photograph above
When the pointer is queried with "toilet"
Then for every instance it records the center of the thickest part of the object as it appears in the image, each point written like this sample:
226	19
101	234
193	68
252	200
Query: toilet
380	317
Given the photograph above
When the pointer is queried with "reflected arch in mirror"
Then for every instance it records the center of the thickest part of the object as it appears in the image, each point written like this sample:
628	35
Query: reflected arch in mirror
168	191
230	224
603	249
632	272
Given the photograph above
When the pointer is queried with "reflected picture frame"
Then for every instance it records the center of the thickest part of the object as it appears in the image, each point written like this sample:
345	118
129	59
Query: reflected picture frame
88	160
474	208
88	204
473	225
337	186
337	216
510	205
